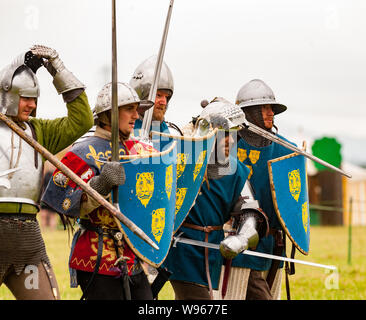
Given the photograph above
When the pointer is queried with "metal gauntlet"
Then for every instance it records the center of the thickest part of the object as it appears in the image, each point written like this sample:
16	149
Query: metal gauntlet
63	80
251	225
250	222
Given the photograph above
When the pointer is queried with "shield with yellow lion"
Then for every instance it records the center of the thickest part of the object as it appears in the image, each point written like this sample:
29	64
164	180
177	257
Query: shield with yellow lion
192	157
288	180
148	199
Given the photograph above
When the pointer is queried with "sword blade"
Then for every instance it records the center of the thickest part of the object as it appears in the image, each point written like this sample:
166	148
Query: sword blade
114	113
146	122
251	253
253	128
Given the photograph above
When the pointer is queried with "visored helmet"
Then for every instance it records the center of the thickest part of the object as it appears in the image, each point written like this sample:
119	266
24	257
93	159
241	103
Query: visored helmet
19	80
221	114
255	93
143	77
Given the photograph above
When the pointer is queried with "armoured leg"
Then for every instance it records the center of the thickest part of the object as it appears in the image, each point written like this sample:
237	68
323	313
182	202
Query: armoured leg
34	283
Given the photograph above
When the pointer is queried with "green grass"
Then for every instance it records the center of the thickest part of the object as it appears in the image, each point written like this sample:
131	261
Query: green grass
328	246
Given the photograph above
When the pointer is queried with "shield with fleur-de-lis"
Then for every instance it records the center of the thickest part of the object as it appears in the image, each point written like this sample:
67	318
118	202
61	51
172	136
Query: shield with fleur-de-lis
193	154
288	180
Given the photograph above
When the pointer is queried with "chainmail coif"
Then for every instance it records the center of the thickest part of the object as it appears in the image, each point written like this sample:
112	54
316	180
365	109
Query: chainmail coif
254	115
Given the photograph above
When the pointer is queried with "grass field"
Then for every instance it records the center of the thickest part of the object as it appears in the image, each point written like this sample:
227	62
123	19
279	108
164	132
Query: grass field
328	245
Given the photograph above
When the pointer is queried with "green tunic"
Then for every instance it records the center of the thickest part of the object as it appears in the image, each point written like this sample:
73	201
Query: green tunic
57	134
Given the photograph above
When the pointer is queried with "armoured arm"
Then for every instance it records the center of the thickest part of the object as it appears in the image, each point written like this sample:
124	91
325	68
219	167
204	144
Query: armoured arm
250	222
63	80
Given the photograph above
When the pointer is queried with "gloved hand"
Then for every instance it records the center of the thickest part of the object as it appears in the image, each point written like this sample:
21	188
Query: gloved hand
247	237
231	246
63	80
52	61
111	175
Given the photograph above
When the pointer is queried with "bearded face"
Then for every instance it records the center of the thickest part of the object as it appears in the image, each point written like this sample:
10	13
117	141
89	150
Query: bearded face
161	101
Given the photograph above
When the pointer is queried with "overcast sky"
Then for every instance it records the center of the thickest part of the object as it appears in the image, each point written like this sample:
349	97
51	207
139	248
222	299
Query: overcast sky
311	53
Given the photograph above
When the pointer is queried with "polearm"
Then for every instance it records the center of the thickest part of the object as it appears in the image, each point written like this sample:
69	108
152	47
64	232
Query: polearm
270	136
114	113
71	175
249	252
146	123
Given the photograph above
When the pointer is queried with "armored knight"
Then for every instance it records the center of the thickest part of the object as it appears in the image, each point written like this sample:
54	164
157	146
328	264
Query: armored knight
196	270
141	81
101	261
260	278
22	247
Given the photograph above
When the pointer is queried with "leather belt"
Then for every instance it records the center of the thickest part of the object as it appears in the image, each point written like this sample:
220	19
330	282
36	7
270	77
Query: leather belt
206	230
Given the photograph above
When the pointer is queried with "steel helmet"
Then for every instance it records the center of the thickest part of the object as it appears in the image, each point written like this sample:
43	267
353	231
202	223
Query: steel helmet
126	95
255	93
143	77
17	80
221	114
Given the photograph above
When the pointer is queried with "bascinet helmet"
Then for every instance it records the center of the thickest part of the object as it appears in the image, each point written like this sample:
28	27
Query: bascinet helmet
143	77
17	80
255	93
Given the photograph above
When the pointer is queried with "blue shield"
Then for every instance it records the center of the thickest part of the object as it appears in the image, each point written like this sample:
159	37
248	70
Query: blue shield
288	180
191	161
148	199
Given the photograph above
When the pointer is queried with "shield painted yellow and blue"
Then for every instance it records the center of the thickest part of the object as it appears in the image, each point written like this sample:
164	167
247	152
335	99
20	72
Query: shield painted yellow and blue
193	154
148	199
288	180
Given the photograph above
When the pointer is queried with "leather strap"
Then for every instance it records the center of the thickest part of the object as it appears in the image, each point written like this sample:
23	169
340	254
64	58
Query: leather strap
225	279
278	250
34	136
206	230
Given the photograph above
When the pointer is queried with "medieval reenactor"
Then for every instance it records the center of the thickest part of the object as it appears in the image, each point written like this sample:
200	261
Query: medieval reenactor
196	270
22	252
101	262
141	81
261	278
